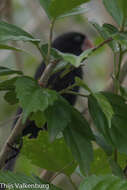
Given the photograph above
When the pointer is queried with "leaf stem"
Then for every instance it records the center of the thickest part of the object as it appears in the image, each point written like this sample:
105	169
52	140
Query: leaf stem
50	40
117	71
68	88
102	44
75	93
120	62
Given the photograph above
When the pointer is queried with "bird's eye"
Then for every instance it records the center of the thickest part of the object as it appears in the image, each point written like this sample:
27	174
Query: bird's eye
78	39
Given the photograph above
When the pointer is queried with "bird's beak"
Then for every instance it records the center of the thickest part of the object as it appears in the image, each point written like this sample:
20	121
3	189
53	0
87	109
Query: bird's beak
87	44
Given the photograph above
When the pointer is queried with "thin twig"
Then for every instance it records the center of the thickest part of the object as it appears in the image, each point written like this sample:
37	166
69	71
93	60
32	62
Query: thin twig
102	44
75	93
50	41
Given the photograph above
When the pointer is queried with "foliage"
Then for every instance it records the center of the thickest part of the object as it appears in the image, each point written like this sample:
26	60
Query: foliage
103	182
22	181
69	139
49	151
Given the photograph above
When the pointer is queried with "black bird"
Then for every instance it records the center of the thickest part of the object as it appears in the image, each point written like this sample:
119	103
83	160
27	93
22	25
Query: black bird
74	43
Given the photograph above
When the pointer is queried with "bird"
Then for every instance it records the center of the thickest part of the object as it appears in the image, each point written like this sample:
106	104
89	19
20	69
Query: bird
70	42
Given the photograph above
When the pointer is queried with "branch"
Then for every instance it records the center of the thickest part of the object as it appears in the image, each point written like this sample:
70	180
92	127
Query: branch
102	44
46	74
10	142
122	77
18	128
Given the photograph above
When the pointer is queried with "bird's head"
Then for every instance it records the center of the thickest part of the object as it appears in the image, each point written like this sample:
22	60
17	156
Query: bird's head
72	42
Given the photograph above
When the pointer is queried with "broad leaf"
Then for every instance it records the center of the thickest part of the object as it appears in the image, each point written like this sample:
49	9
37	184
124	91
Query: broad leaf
21	181
116	135
75	11
12	32
123	6
10	97
31	97
103	144
52	156
105	107
8	84
114	9
6	47
81	149
121	38
56	8
54	52
103	164
78	136
110	28
66	57
116	169
58	117
39	118
7	71
106	31
103	182
76	60
99	119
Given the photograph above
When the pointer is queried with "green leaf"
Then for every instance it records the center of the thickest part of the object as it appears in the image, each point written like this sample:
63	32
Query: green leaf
81	149
58	117
116	135
103	144
32	97
76	60
66	57
106	31
20	181
101	165
7	71
105	107
75	11
78	136
56	8
116	169
55	54
10	97
123	6
60	66
114	9
12	32
106	182
121	38
8	84
99	119
81	83
6	47
39	118
52	156
46	5
110	28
